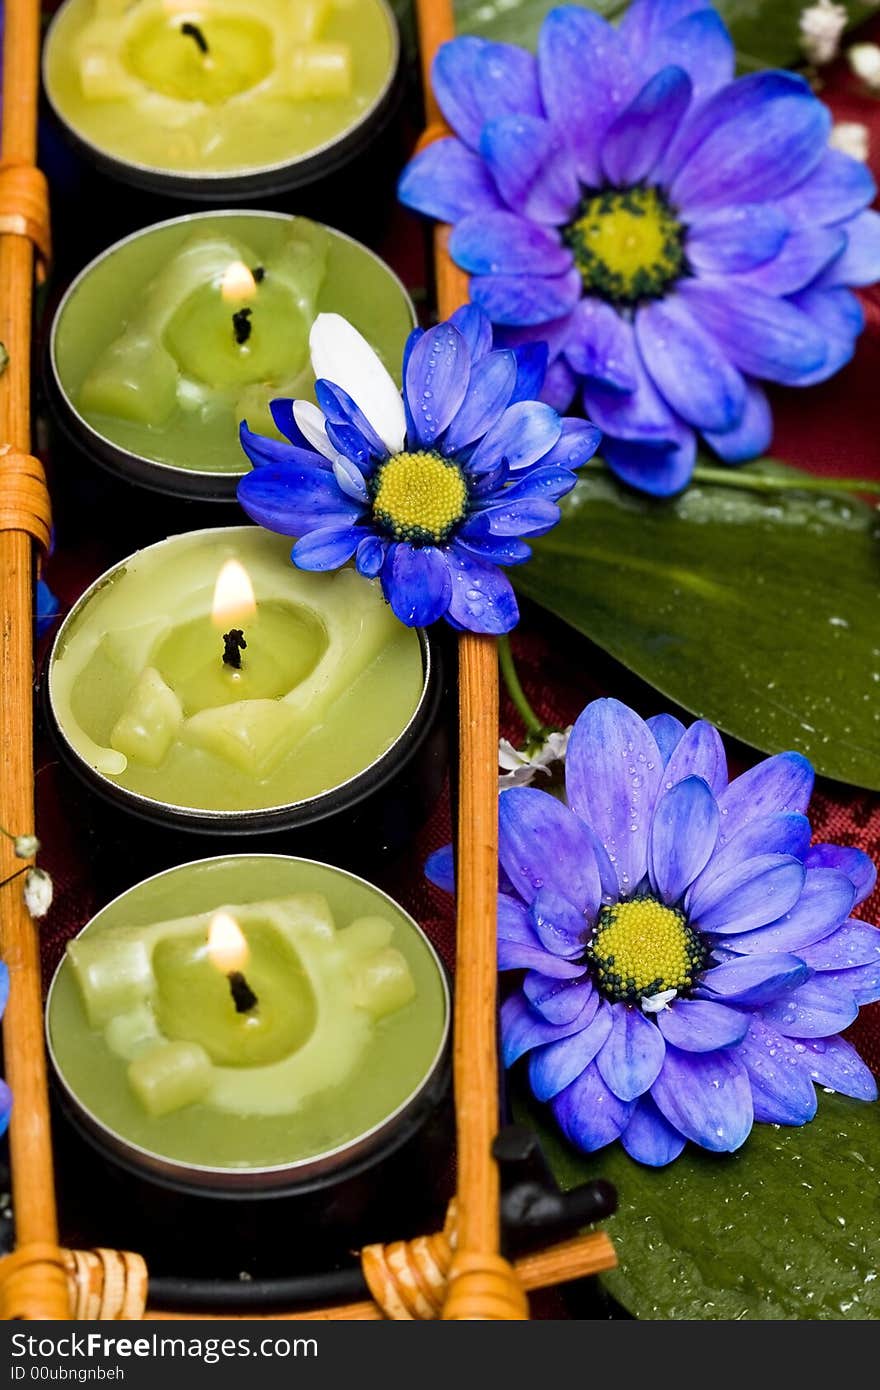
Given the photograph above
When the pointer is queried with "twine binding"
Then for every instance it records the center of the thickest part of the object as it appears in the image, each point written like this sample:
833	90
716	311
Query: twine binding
24	496
24	210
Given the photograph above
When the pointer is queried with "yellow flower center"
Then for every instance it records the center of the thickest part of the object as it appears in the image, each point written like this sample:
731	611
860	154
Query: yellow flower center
419	497
640	948
627	244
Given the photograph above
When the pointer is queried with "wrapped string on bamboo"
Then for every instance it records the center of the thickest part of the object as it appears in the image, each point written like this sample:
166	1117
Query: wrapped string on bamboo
36	1285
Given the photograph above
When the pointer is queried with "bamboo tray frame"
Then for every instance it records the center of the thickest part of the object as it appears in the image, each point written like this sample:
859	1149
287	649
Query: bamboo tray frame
458	1273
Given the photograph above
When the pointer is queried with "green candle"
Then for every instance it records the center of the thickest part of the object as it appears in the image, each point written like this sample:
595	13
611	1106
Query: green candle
207	672
166	342
343	1021
219	87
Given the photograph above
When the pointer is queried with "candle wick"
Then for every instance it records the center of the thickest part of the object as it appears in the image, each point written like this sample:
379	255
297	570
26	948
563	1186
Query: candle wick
193	32
243	996
242	326
259	273
233	646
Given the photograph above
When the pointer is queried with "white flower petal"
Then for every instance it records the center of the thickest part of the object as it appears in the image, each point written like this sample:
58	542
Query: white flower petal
26	846
509	757
38	892
342	355
309	421
852	138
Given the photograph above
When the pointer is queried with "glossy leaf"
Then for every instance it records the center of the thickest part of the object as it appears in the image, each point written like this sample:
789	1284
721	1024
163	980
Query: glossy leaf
783	1229
755	610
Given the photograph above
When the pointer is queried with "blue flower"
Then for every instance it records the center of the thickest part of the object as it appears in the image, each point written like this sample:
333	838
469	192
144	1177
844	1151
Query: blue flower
5	1093
689	959
47	608
432	492
675	235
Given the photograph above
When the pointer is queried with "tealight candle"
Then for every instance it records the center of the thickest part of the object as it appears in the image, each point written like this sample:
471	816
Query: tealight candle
207	682
220	97
247	1021
171	337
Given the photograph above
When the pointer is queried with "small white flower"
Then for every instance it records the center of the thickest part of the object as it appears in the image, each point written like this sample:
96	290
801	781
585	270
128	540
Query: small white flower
519	766
340	354
26	846
38	892
821	26
850	137
864	59
656	1003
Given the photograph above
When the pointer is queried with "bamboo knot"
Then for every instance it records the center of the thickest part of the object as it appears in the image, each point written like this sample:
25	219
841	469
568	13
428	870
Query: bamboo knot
24	209
106	1285
24	496
408	1278
484	1288
34	1284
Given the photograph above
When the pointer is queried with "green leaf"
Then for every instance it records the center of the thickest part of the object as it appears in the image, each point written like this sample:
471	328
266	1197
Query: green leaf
756	610
765	31
784	1229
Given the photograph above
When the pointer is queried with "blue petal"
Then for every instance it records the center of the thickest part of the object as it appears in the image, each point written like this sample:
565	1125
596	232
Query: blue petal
781	783
667	731
572	43
701	45
5	1106
514	922
841	317
493	550
815	1010
752	435
706	1097
631	1058
862	981
476	329
518	955
645	22
326	548
350	480
559	1063
700	1025
784	832
762	335
559	925
560	385
837	189
532	168
736	238
264	452
613	774
447	181
340	409
490	387
600	345
754	979
641	415
688	367
637	138
756	138
648	1138
47	609
417	584
836	1064
476	81
542	481
782	1090
560	1001
523	1029
684	829
806	252
526	299
500	243
542	844
526	516
482	598
524	434
281	411
292	501
825	902
662	472
747	896
437	377
852	944
860	262
440	868
370	556
4	987
699	753
588	1113
857	865
577	443
531	369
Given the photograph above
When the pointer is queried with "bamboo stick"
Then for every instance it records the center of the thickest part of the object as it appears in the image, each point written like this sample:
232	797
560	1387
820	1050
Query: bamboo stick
481	1284
43	1291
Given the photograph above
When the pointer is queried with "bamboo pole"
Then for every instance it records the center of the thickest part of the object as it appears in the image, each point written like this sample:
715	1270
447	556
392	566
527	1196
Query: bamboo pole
42	1288
481	1284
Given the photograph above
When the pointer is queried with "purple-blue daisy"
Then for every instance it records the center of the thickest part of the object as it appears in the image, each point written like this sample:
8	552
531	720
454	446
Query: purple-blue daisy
674	234
690	959
431	491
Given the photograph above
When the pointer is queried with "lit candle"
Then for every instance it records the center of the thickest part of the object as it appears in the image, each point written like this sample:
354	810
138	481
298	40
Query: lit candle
169	339
146	693
181	96
347	1023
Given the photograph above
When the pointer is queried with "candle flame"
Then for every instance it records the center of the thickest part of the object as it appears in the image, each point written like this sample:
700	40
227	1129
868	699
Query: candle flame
234	599
237	284
227	947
